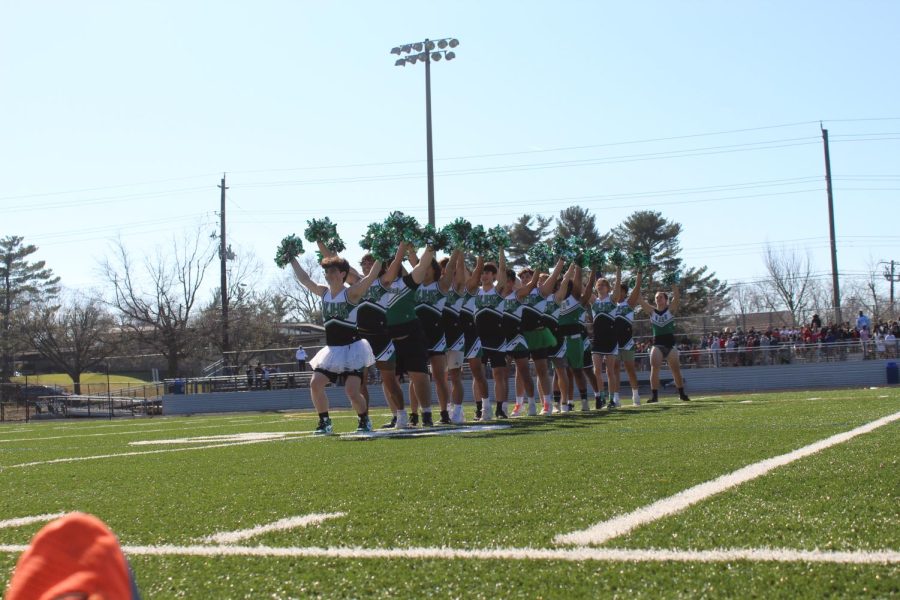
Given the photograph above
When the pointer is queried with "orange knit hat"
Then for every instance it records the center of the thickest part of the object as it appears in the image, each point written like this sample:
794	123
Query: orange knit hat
75	556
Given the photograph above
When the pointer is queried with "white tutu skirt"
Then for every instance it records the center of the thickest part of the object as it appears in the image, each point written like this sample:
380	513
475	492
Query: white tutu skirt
344	359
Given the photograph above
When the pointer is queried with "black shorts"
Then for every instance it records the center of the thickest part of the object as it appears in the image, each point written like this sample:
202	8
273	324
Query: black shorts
540	353
380	343
412	353
604	345
340	378
496	358
520	354
664	349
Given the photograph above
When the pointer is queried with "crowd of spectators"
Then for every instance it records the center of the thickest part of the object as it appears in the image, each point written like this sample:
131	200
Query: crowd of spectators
812	342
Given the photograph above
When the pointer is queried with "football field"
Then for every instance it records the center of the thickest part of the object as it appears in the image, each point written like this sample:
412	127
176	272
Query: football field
793	495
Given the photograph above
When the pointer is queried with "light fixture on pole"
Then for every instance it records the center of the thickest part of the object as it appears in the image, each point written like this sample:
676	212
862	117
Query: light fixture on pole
427	51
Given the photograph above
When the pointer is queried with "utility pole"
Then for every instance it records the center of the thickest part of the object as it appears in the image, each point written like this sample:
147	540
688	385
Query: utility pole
834	268
891	275
223	258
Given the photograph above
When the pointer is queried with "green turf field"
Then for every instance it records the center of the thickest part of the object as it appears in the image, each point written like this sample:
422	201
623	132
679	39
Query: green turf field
481	514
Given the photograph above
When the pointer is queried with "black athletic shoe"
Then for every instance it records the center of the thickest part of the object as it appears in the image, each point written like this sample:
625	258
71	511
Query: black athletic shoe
426	420
392	424
652	400
477	415
499	413
599	403
685	398
445	418
413	419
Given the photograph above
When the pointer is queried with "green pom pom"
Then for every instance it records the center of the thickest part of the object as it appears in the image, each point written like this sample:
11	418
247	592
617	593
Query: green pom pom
458	232
438	239
638	261
477	241
673	278
405	228
323	230
594	258
617	257
379	241
540	257
498	237
291	247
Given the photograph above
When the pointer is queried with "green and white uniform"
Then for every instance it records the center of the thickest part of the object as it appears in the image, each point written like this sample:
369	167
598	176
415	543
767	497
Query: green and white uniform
430	301
604	310
663	326
568	316
344	352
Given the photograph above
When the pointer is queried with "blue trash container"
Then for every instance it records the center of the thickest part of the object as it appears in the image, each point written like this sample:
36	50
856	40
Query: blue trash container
178	387
893	373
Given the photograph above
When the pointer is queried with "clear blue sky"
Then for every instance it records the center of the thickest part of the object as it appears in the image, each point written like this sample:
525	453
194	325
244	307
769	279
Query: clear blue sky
118	118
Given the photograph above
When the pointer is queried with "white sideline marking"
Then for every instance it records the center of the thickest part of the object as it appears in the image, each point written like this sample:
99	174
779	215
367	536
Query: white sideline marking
9	523
607	530
406	433
230	537
101	456
224	438
108	433
565	554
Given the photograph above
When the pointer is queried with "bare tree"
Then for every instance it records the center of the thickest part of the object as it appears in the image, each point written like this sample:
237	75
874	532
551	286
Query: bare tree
74	336
254	313
790	283
156	300
745	299
301	304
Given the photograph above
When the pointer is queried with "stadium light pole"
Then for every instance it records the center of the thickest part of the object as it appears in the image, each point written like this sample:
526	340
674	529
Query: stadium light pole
427	51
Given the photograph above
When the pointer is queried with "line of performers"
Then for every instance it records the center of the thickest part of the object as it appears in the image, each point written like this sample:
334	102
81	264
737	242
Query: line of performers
441	314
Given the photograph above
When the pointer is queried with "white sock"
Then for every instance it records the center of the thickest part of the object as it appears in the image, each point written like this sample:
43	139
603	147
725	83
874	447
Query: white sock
520	400
616	397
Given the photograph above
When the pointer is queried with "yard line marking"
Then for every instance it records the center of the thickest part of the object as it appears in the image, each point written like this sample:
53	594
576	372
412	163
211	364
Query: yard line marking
228	437
117	455
9	523
607	530
583	554
230	537
108	433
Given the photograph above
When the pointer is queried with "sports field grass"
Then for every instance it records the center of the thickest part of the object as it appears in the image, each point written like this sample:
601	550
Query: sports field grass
88	380
479	514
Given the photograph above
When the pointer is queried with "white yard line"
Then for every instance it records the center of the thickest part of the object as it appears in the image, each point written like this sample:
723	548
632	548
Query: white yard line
432	431
10	523
607	530
552	554
228	437
230	537
120	454
133	432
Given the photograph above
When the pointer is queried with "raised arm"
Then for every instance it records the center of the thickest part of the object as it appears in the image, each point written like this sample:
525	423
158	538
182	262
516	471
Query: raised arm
418	273
646	306
393	269
475	278
550	282
577	282
303	277
635	295
676	299
562	292
356	291
618	289
448	275
501	269
460	271
412	256
589	288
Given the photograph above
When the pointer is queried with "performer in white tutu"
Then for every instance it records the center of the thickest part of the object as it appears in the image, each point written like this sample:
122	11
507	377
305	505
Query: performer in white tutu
345	355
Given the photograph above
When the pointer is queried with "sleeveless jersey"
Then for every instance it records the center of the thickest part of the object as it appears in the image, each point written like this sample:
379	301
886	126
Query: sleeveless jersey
569	316
450	319
489	319
340	319
371	318
532	310
512	320
624	325
400	305
604	325
430	301
663	326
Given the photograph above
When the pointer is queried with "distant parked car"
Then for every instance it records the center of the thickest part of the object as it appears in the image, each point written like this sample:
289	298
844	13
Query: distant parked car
32	392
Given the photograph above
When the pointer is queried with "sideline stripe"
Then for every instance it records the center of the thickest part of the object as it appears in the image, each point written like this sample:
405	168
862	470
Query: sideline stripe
230	537
554	554
607	530
229	437
411	432
101	456
132	432
9	523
